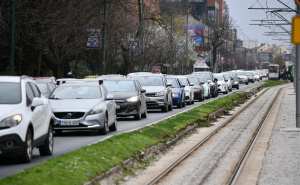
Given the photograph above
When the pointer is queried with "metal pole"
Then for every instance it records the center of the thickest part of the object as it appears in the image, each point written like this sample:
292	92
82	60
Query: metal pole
104	39
297	68
142	37
172	52
12	38
187	36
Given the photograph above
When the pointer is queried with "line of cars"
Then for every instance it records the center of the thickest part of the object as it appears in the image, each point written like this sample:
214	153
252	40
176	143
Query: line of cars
32	109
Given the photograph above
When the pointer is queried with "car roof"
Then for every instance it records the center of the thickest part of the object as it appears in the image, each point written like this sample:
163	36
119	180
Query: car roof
80	84
120	79
10	78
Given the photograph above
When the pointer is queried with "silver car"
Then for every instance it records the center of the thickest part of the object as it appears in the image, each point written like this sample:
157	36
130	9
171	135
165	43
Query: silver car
228	81
83	106
243	78
158	92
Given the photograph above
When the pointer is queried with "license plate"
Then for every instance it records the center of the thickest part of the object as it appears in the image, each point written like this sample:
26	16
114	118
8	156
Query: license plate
67	123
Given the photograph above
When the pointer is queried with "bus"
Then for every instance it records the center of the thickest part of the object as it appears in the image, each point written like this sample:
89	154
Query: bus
274	72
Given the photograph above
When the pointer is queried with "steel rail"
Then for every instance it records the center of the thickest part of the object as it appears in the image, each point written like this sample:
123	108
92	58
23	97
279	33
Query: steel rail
242	161
166	170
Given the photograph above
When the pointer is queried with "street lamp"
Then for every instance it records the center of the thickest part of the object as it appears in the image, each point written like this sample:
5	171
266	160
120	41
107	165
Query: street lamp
187	35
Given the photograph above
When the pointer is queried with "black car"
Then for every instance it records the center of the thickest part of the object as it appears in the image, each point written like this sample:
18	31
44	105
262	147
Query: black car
198	87
129	96
213	82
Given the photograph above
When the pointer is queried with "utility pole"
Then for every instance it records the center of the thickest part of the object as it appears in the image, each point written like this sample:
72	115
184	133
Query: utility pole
142	37
171	39
297	64
12	38
187	36
104	39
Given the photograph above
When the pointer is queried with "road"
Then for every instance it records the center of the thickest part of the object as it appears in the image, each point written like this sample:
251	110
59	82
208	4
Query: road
70	141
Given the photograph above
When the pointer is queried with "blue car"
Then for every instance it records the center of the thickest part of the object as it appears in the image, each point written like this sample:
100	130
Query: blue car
178	93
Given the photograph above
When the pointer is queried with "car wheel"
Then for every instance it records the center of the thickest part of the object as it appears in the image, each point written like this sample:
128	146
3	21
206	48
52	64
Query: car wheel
138	116
170	107
47	147
230	89
144	115
247	83
104	130
165	108
238	87
114	125
183	101
27	153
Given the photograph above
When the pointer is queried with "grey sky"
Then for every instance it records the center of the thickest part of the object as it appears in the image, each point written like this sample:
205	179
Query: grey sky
242	15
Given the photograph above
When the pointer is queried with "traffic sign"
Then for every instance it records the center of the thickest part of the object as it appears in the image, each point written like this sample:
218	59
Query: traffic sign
296	30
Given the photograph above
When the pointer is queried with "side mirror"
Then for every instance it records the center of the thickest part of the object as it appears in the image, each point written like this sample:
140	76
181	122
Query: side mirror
202	83
183	86
169	85
192	84
226	80
110	97
215	79
37	102
143	90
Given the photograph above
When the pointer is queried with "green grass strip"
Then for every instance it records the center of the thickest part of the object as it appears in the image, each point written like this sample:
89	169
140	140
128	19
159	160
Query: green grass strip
270	83
83	165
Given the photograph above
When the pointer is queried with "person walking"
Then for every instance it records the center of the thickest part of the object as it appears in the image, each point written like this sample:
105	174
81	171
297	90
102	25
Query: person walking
69	74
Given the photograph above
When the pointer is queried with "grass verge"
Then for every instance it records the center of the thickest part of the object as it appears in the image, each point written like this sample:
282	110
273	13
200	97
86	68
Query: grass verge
83	165
270	83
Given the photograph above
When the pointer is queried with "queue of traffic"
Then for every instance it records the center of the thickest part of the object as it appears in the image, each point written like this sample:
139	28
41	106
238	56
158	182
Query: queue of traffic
35	108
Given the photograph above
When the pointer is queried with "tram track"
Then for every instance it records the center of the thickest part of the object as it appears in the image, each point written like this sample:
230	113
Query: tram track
165	171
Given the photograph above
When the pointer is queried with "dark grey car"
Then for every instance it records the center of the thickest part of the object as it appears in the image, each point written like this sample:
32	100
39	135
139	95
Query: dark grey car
129	96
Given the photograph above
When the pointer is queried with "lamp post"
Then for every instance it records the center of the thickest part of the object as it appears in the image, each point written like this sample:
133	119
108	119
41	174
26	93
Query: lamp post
171	39
104	39
142	37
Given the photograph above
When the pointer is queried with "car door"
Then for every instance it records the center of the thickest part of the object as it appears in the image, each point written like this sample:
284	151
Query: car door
39	115
142	96
110	107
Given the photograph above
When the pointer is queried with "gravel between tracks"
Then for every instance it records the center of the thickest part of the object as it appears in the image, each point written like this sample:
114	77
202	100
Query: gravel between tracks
217	159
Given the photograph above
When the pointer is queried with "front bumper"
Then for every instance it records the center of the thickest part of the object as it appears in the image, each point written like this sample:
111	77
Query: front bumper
11	145
86	122
127	108
156	102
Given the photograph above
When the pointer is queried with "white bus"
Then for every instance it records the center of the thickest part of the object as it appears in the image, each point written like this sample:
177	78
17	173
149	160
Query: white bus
274	72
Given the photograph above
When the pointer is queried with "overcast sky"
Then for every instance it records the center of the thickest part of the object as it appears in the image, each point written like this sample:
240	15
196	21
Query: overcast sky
240	12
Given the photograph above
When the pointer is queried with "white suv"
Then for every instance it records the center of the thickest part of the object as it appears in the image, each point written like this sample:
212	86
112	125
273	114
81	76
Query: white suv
25	119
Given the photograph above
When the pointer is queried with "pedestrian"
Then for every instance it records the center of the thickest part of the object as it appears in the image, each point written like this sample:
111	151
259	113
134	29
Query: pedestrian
69	74
284	73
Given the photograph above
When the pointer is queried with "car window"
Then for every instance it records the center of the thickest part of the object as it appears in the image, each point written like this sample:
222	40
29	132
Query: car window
29	94
173	81
208	77
76	92
42	87
10	93
35	89
202	79
226	77
120	86
149	80
219	77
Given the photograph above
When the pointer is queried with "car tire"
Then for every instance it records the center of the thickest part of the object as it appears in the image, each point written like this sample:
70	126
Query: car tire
238	87
47	147
138	116
165	108
114	126
144	115
230	89
170	107
183	102
104	130
27	153
247	83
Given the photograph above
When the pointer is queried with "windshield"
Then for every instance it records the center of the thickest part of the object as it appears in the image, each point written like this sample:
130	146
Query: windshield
219	77
119	86
241	73
183	81
76	92
173	82
208	77
10	93
42	87
150	80
194	81
202	79
226	77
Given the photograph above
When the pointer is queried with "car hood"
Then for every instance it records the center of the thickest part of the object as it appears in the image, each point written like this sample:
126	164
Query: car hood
10	109
123	95
74	103
154	89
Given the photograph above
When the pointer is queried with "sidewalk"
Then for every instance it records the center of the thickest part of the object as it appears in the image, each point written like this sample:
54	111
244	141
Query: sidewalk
281	164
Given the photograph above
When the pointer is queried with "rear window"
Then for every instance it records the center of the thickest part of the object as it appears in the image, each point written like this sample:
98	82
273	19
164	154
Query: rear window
76	92
10	93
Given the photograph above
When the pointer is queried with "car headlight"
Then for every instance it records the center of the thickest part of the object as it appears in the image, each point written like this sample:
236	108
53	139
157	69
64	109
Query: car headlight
132	99
160	93
96	110
175	95
11	121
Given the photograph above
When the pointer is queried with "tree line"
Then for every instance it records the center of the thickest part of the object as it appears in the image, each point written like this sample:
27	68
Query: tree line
50	36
